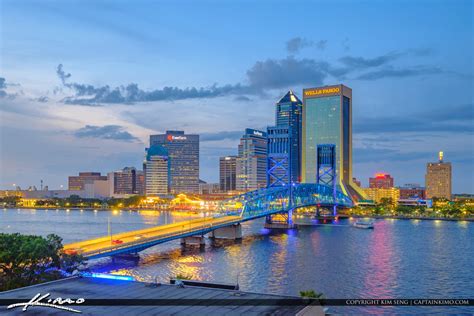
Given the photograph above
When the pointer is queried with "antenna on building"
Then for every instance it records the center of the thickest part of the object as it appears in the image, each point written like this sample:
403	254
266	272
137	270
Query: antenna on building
440	156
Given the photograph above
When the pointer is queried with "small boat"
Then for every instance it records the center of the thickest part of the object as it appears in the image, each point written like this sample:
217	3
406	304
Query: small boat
364	225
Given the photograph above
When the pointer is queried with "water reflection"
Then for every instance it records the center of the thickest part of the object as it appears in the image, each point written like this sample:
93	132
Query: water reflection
397	259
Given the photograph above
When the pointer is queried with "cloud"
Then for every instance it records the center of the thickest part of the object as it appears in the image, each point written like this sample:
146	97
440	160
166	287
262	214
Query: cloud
294	45
391	72
61	74
264	75
242	98
3	87
86	94
114	132
283	73
363	63
42	99
457	119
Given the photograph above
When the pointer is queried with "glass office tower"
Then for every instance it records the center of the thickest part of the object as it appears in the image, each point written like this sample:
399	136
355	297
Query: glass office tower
284	142
183	152
327	119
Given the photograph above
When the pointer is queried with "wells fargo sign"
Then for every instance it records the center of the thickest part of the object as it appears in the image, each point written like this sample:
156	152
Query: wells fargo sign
322	91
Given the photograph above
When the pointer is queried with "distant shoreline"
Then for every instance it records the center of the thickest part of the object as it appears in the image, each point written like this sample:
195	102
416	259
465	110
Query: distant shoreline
428	218
469	219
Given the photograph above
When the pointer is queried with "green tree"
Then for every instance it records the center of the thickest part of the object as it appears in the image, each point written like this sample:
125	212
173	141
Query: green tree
28	259
311	294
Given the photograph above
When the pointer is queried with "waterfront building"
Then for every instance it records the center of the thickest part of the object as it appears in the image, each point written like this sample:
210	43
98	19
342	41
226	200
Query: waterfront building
227	173
377	194
438	179
127	181
208	188
183	153
327	119
251	161
284	142
140	182
381	181
156	168
77	183
411	192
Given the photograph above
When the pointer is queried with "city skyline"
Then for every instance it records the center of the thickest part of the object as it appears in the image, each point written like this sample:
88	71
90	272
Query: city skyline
403	89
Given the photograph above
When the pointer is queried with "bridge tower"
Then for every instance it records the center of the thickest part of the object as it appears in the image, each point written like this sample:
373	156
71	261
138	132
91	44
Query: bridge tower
326	170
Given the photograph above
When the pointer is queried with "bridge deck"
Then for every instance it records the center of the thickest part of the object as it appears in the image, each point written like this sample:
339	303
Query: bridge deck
103	246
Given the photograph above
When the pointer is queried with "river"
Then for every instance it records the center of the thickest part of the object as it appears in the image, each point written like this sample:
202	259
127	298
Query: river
398	259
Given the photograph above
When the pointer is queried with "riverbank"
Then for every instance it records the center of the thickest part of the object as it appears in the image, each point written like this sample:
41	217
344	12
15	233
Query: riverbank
428	218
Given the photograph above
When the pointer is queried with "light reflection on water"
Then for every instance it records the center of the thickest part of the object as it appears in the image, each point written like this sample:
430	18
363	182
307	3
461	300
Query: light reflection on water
398	259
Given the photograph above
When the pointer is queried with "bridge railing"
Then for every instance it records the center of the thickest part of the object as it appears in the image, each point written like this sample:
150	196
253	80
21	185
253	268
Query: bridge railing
186	228
274	199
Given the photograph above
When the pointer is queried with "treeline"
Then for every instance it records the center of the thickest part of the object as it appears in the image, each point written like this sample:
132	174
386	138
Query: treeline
75	201
441	208
27	260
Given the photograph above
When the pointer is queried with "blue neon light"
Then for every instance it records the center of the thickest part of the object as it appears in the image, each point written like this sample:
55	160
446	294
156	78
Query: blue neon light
109	276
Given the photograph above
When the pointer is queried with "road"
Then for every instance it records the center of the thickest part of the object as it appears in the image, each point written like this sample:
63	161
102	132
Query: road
137	237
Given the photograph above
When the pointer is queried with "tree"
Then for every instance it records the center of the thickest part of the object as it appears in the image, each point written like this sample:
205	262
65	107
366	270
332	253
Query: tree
28	259
311	294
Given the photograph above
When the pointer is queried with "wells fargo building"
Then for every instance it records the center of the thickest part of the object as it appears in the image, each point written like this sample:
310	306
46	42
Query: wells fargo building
327	119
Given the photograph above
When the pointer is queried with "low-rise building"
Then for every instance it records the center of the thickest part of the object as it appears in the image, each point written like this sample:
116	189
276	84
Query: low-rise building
377	194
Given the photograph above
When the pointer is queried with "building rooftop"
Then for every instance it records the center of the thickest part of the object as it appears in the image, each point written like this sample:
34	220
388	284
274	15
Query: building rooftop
95	288
290	97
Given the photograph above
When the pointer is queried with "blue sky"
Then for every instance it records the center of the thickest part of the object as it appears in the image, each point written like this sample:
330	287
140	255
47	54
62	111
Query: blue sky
133	68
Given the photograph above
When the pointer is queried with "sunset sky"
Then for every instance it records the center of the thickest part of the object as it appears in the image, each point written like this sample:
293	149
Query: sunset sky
84	83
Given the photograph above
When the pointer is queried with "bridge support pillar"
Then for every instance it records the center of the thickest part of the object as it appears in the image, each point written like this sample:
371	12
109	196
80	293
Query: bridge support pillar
280	221
193	240
279	225
229	232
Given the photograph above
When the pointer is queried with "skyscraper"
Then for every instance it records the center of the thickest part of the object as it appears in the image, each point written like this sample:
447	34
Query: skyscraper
438	179
381	181
327	119
284	142
251	162
227	173
156	168
183	152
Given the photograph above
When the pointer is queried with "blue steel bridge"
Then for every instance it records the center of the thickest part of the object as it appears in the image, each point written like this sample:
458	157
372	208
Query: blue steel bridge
268	202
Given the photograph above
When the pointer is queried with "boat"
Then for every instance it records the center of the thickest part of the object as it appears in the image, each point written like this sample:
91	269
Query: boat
364	225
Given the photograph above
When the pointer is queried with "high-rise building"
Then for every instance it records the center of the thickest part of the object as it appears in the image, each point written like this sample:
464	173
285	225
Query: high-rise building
284	142
126	181
438	179
156	169
183	151
77	183
227	173
251	161
381	181
327	119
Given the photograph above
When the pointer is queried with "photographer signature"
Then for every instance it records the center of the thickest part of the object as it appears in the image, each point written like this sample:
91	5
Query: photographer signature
43	301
